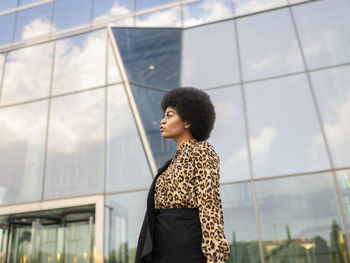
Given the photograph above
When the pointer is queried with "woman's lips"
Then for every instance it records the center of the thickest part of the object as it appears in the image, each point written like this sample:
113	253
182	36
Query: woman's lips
162	129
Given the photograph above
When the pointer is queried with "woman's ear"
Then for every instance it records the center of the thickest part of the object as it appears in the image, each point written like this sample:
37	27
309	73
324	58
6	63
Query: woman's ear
187	125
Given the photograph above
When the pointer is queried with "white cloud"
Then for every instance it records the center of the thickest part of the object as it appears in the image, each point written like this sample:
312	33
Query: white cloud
168	17
76	120
39	26
261	145
249	6
209	11
116	10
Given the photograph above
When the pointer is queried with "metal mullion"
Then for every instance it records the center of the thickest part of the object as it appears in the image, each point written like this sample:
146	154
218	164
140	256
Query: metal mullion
250	161
48	122
319	118
133	106
53	96
52	18
89	27
105	115
91	12
3	75
14	28
24	7
182	48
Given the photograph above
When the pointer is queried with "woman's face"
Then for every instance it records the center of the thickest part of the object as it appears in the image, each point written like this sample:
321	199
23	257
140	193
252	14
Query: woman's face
172	126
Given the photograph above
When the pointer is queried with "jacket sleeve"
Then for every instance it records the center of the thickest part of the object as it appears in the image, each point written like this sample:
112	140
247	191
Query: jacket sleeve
207	175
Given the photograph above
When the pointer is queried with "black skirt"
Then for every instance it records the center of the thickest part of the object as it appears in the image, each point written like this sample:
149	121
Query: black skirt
177	236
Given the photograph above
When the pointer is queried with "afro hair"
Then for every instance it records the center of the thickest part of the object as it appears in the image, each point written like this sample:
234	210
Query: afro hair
194	106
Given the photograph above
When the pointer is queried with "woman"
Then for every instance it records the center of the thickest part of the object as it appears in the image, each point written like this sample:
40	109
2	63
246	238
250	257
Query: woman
184	219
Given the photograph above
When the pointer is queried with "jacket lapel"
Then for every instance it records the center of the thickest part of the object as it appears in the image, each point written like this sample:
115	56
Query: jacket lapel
148	245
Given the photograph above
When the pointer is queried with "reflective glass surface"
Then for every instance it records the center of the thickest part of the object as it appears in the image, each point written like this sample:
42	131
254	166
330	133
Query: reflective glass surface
6	28
300	219
151	56
343	179
205	11
126	22
166	17
75	151
52	236
123	220
228	136
33	22
27	63
2	62
104	9
242	7
148	104
80	62
324	30
268	45
285	136
113	70
22	147
210	56
332	89
7	4
26	2
240	223
123	141
69	13
143	4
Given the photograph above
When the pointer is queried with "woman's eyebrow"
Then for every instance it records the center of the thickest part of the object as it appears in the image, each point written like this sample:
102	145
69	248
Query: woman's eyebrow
168	112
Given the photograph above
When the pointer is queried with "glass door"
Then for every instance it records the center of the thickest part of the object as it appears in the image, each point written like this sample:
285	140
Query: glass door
55	237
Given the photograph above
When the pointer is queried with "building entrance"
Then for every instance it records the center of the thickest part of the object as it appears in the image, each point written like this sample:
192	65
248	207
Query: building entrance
52	236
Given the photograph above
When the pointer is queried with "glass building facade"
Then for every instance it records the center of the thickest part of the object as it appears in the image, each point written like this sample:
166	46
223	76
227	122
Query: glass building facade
80	89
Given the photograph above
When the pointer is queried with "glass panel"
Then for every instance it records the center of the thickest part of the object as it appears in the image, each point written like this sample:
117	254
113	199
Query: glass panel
6	28
3	241
148	104
297	1
243	7
228	135
22	146
343	178
2	61
274	50
210	56
300	219
151	56
104	9
113	70
124	141
27	62
332	88
69	13
78	243
80	62
33	22
206	11
285	135
124	216
129	22
25	2
166	17
75	156
143	4
7	4
240	223
324	29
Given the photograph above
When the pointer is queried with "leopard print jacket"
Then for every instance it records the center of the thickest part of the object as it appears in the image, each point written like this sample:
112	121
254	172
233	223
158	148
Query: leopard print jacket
192	180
